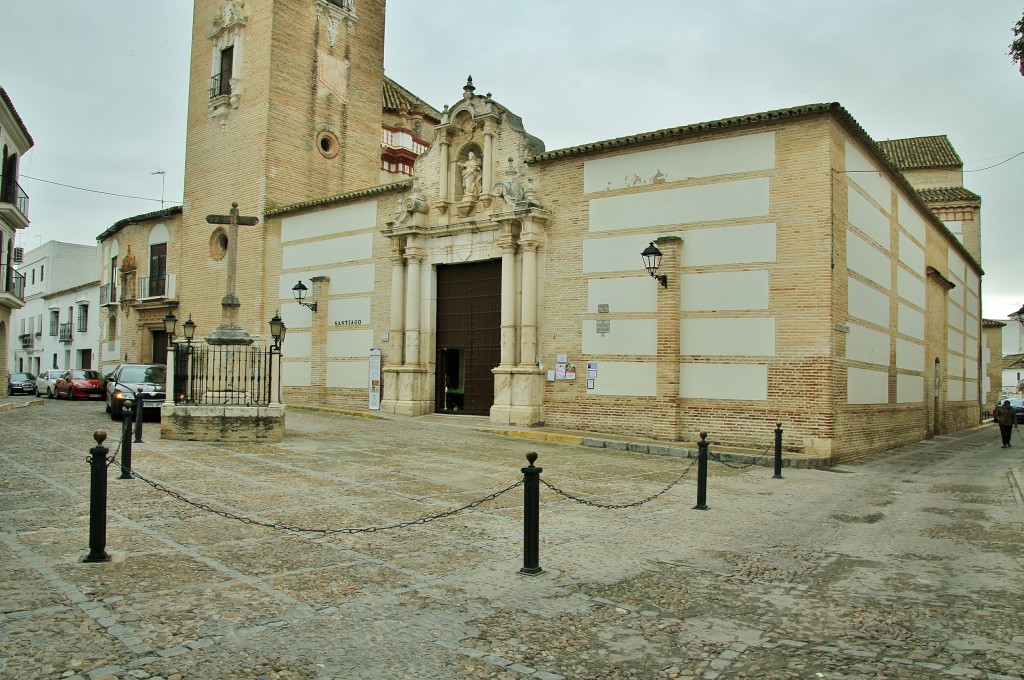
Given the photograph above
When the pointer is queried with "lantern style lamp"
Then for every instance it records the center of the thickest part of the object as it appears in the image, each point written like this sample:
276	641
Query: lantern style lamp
170	324
299	290
278	331
652	260
189	329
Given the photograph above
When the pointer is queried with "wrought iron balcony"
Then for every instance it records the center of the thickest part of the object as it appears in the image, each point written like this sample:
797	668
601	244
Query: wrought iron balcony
108	294
66	332
12	282
219	86
157	286
26	340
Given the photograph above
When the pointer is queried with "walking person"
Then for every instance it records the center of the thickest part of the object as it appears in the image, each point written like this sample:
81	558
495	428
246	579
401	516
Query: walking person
1007	418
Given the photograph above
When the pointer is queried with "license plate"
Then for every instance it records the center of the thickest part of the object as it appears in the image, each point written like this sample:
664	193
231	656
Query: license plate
96	396
152	404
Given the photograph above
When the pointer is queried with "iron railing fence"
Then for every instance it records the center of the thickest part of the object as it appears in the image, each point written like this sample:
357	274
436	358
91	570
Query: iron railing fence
223	374
13	282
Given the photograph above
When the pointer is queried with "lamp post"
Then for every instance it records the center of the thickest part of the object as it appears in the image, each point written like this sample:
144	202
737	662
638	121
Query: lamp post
299	290
278	329
652	260
170	328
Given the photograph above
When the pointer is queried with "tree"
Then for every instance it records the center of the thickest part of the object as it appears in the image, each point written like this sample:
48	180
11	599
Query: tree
1017	46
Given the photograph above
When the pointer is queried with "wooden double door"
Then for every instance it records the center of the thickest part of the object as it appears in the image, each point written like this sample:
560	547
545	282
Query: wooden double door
468	336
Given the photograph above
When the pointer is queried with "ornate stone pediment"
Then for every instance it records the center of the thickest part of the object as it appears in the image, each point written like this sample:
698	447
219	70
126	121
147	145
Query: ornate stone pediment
232	14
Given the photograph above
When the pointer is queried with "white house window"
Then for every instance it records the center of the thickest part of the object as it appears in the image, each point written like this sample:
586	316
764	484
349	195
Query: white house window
83	318
54	321
227	33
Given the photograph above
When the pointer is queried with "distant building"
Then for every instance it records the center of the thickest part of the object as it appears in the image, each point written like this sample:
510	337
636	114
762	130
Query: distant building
58	326
811	276
14	141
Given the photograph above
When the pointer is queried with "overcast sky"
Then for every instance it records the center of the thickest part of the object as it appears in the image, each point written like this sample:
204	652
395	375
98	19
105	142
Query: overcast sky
102	86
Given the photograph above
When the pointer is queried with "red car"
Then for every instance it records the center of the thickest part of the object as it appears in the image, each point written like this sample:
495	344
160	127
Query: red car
79	383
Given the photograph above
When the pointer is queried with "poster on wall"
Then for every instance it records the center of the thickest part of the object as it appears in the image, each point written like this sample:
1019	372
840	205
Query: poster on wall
374	404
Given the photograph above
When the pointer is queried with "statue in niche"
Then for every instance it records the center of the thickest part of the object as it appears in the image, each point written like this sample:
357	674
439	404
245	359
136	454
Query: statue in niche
472	172
232	11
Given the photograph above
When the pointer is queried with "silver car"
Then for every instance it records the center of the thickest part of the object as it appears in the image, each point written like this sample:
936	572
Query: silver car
143	382
46	382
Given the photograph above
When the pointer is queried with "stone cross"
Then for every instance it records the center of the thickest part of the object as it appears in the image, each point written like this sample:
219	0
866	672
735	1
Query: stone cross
230	303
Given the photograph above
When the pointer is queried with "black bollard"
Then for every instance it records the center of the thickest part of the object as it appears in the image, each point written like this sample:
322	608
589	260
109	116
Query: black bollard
778	451
139	413
126	438
531	517
702	473
98	500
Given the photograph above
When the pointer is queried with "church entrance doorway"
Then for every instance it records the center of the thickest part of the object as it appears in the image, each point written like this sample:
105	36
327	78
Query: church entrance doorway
468	337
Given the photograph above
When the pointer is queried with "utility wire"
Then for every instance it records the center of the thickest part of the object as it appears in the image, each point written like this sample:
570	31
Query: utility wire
97	191
998	164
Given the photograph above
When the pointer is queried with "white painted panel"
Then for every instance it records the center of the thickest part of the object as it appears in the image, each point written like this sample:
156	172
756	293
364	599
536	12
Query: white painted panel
954	316
955	340
715	291
865	173
970	390
868	261
685	161
349	309
683	205
632	294
332	251
864	344
864	302
911	254
909	389
728	245
346	218
971	346
971	306
349	343
971	281
956	227
911	322
746	382
954	365
619	253
954	390
297	344
911	220
864	386
296	373
626	378
728	337
909	355
956	264
970	369
350	374
957	294
356	278
910	287
867	218
627	336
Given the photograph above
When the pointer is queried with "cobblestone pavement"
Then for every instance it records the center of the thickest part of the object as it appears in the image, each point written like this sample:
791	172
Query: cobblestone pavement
907	566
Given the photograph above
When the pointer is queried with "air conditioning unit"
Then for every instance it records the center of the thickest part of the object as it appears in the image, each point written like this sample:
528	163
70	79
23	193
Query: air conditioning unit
19	255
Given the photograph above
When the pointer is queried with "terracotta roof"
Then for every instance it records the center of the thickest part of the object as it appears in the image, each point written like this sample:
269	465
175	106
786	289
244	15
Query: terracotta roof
948	195
156	214
1013	361
992	323
14	112
916	153
404	184
397	98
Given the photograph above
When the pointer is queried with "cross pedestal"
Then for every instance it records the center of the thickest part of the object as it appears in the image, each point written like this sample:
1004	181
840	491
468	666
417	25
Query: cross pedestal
229	332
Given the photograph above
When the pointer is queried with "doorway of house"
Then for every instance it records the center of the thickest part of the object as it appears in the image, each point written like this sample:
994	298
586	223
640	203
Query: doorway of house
159	347
468	337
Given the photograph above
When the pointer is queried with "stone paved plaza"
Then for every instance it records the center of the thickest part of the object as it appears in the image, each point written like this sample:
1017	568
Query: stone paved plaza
907	566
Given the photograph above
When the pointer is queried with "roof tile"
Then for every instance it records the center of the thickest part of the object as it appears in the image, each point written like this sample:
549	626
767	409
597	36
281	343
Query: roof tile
916	153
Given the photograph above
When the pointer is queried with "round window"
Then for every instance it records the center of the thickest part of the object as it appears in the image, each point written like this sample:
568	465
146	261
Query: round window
327	144
218	243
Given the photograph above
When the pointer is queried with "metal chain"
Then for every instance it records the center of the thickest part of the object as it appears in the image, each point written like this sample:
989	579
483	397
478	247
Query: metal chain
609	506
757	460
296	529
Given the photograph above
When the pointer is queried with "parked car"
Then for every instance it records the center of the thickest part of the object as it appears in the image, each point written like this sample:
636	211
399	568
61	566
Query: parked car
21	383
136	381
79	383
1018	406
46	381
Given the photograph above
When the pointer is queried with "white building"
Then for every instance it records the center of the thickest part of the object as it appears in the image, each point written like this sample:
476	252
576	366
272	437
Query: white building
14	142
59	325
1013	354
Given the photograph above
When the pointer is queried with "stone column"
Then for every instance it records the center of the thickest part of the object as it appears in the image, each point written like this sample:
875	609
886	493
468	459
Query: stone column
528	339
414	255
527	378
445	171
169	396
488	160
397	325
503	379
666	421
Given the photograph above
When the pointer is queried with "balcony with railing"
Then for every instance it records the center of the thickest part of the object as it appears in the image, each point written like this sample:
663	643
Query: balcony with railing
27	340
12	288
108	294
67	334
151	287
13	204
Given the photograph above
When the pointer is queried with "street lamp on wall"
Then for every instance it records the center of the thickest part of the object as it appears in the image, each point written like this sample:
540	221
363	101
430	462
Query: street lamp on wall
170	325
652	261
299	291
189	329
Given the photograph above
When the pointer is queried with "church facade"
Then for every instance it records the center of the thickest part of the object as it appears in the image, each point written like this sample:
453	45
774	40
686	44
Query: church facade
802	280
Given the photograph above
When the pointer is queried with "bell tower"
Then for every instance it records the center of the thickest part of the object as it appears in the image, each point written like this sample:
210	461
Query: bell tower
285	105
